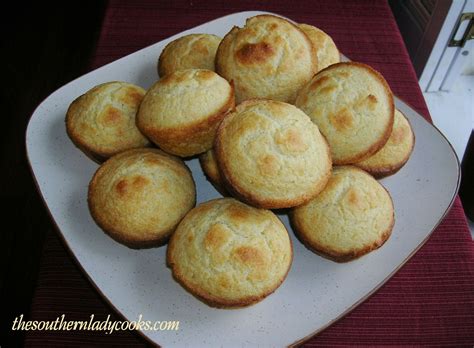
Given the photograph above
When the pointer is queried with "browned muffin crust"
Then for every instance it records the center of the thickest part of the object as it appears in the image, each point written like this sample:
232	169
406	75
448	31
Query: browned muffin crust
201	226
342	121
185	129
139	196
101	122
395	153
340	201
258	185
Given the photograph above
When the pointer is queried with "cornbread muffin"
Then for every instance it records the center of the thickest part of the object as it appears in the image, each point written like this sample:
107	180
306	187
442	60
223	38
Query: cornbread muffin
353	107
101	122
351	217
326	49
194	51
139	196
210	168
271	155
229	254
395	153
268	58
180	113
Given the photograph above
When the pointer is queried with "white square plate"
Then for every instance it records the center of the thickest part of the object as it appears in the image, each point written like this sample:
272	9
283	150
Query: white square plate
317	291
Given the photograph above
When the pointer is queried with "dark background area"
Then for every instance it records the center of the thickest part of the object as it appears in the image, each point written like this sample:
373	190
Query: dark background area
419	22
42	47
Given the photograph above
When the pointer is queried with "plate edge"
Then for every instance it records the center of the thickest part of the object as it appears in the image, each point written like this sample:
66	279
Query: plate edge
423	242
38	188
311	335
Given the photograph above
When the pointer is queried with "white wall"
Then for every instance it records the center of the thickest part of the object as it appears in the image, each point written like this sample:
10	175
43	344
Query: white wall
468	69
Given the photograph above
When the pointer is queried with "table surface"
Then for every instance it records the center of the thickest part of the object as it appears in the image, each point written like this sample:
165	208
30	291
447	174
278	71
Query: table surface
429	301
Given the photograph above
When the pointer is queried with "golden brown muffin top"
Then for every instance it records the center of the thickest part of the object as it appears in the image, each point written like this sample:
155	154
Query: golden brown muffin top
102	121
181	112
353	107
350	217
230	254
140	195
268	58
183	98
193	51
271	154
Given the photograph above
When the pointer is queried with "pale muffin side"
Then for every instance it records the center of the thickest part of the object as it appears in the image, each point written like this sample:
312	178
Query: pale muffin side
395	153
326	49
208	163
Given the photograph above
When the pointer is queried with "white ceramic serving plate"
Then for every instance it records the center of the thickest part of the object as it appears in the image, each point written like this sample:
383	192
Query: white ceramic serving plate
317	291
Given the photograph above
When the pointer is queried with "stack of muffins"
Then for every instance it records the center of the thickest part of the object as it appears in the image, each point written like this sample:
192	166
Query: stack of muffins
269	110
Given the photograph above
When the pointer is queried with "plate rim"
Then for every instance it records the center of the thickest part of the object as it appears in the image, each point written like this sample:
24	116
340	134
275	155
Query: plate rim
312	334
